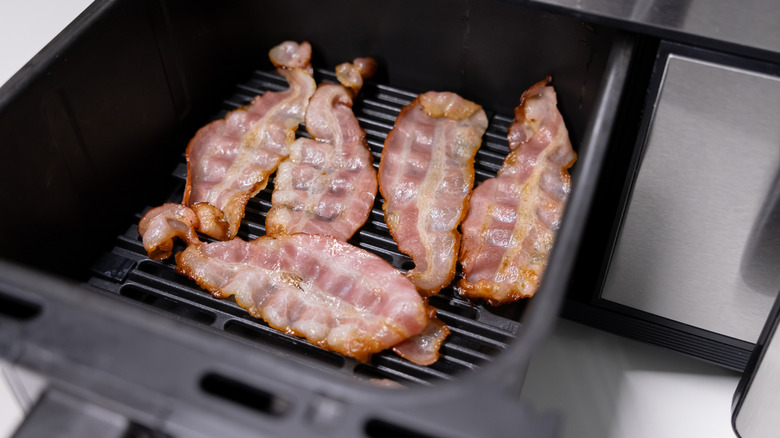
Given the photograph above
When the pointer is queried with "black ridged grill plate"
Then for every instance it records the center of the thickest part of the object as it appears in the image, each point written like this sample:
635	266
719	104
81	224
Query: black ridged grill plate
478	331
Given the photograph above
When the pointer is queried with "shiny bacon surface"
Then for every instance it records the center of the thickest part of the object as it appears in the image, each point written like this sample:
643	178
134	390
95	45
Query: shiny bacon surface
314	287
328	184
229	160
425	176
511	224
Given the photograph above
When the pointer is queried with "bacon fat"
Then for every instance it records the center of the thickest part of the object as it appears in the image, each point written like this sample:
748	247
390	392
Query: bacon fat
426	174
511	224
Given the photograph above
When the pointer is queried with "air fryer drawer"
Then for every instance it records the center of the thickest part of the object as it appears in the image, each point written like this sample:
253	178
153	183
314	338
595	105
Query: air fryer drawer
96	129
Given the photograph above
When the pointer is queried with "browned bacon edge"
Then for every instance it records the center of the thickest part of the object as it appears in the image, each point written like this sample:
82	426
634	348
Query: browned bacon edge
434	104
495	293
518	133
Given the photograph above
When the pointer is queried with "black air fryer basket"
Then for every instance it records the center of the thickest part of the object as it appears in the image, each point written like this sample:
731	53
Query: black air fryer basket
94	131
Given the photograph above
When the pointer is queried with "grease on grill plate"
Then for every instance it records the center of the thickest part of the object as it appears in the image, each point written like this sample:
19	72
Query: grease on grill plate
477	332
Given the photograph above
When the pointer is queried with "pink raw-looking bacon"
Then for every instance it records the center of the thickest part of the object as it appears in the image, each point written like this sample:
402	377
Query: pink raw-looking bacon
511	224
425	176
312	286
229	160
328	184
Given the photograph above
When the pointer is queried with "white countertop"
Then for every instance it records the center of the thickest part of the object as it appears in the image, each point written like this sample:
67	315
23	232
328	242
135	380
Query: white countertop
604	385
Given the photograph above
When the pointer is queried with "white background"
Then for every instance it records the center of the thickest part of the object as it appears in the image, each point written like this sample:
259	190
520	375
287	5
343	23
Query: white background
605	386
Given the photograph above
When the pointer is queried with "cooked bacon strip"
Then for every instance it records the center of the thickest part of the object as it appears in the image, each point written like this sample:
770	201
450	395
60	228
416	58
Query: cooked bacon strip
336	295
423	349
162	225
229	160
351	75
328	184
425	176
510	228
290	54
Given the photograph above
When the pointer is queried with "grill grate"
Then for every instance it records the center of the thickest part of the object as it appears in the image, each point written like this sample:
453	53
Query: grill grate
478	332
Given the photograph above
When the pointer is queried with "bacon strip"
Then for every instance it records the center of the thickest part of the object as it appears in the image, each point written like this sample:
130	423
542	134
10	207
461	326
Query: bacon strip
229	160
335	295
162	225
423	349
510	229
425	176
351	75
328	184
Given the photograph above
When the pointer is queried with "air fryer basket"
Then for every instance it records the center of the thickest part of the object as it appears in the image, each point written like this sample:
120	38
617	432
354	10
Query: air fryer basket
95	128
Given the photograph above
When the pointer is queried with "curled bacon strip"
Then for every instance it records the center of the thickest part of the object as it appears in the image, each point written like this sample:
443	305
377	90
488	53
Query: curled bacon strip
229	160
510	228
290	54
160	227
425	176
351	75
328	184
335	295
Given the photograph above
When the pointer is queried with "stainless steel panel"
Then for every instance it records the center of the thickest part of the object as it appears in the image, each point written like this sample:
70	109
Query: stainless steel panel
706	185
751	23
757	417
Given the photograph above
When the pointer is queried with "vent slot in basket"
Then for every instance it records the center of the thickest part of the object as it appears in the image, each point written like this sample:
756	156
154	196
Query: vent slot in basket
383	429
18	308
244	395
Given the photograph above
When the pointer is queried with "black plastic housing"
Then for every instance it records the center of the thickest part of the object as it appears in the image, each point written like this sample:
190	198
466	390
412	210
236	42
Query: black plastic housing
93	126
90	133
